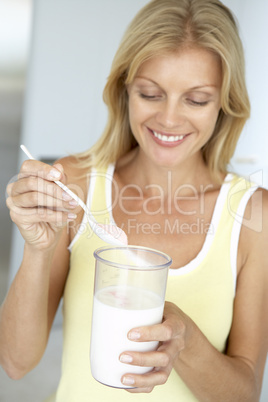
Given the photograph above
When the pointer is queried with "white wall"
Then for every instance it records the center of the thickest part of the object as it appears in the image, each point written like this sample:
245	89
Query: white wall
72	50
253	144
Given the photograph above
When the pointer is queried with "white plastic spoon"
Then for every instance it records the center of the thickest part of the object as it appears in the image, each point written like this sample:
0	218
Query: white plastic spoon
111	234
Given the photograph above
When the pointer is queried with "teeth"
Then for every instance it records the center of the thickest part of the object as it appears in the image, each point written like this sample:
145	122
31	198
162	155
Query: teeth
170	138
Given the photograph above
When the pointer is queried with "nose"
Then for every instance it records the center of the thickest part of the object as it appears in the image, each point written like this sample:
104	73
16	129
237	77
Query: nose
170	114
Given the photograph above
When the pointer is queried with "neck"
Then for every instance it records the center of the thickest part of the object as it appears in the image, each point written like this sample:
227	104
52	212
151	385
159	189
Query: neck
151	178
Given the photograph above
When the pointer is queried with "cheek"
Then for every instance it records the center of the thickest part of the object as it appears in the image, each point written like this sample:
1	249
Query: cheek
138	113
214	118
133	121
207	120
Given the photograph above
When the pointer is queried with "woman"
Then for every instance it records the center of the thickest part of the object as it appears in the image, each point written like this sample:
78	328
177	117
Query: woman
177	103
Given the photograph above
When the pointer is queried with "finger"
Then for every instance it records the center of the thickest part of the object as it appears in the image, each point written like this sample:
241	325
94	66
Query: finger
35	191
157	332
35	183
37	168
145	359
36	199
37	215
59	167
145	381
166	331
136	390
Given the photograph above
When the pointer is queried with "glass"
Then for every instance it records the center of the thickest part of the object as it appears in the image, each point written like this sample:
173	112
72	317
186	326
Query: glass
129	291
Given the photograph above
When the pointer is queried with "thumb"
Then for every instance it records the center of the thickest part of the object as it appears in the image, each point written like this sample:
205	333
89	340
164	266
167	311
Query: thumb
59	167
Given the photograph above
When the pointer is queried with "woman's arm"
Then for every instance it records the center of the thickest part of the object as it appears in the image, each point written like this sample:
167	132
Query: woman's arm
211	375
27	313
38	208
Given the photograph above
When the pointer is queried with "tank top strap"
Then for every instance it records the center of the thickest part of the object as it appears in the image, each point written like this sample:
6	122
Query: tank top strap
241	190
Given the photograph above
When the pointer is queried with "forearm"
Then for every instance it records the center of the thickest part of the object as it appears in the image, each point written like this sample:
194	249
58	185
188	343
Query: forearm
24	315
213	376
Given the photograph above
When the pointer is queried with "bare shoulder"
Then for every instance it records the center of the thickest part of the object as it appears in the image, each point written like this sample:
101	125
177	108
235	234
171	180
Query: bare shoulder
254	230
72	166
256	214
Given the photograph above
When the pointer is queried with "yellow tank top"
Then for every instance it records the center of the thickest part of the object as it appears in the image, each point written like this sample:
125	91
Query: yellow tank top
204	289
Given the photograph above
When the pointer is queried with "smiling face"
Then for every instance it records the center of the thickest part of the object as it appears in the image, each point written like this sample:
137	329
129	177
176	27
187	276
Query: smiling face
174	102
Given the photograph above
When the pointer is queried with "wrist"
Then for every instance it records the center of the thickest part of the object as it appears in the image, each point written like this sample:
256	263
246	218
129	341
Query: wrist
193	343
42	255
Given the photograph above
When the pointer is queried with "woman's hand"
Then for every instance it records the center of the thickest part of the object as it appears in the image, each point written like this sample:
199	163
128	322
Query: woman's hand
38	206
172	335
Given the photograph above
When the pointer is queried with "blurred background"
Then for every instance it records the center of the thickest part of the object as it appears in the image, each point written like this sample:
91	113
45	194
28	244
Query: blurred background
15	27
54	60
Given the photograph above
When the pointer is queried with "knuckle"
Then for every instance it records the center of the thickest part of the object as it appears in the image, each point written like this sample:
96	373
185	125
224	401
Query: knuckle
148	390
13	216
9	188
25	165
168	331
9	202
162	377
181	328
165	360
33	168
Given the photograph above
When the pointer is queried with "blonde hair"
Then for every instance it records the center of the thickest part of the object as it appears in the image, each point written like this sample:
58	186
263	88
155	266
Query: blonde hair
165	26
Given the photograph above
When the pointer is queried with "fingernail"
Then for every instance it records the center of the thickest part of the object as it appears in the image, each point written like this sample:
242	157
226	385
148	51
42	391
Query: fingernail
126	359
54	174
134	335
73	203
128	380
72	216
66	196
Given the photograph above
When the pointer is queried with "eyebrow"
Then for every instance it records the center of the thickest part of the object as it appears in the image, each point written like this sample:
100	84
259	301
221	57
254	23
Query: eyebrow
190	89
204	86
147	79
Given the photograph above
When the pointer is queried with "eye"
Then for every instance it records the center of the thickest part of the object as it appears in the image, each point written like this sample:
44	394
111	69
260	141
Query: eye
196	103
150	97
